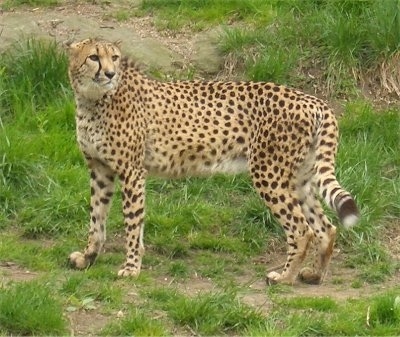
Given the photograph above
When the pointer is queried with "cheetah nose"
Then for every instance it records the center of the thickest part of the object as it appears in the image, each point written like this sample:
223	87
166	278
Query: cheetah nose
109	74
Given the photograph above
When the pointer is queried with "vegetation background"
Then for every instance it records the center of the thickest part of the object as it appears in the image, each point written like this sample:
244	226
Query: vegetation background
209	241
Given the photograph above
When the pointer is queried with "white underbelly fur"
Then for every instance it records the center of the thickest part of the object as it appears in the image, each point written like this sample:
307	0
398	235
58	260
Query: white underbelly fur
229	166
226	165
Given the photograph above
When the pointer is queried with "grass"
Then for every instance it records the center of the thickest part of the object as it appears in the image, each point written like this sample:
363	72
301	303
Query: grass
336	42
30	309
201	234
176	15
372	168
8	4
138	324
214	314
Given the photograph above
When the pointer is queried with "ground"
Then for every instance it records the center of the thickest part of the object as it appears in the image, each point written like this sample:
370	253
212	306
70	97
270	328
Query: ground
339	285
170	52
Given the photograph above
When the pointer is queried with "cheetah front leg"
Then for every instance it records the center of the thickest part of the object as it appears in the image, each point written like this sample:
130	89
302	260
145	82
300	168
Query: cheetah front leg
133	195
102	190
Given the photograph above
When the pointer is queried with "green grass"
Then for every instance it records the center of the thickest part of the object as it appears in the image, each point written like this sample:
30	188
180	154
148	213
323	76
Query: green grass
138	324
42	93
9	4
324	304
202	233
368	160
208	313
329	43
199	14
214	314
386	310
30	309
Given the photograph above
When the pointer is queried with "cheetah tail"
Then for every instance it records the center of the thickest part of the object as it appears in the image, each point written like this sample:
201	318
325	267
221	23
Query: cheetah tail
329	188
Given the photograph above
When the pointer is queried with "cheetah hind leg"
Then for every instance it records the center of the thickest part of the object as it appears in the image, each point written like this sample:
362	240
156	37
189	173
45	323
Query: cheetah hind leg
324	236
298	236
78	260
323	249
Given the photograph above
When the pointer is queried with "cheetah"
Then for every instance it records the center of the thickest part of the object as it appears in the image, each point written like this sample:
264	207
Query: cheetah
129	125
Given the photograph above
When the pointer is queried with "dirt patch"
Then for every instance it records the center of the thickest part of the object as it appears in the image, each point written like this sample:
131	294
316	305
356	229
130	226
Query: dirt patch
192	287
10	271
87	322
392	238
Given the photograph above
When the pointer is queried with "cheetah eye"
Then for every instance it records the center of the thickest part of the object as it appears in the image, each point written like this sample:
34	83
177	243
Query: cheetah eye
115	58
94	57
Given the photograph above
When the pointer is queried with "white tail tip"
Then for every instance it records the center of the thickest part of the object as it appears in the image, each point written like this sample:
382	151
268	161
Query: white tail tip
350	220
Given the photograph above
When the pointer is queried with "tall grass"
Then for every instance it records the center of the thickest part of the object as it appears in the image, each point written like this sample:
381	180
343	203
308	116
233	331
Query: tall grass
179	14
334	41
37	110
34	74
30	309
369	162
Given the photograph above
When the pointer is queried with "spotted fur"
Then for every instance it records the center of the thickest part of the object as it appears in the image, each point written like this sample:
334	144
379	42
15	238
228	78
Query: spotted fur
129	125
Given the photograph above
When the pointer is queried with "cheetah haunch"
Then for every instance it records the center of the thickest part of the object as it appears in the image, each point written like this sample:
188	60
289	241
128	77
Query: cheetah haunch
129	125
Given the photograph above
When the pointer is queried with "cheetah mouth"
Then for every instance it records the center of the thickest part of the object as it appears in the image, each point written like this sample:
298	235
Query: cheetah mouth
106	83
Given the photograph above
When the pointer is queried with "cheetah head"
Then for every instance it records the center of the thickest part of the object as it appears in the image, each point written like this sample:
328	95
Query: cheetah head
94	67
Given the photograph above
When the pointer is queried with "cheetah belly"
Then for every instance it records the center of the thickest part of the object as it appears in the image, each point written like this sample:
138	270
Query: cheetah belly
227	165
175	165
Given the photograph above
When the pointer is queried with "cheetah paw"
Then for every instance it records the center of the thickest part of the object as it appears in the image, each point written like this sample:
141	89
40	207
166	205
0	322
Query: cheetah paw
274	278
307	275
77	260
129	271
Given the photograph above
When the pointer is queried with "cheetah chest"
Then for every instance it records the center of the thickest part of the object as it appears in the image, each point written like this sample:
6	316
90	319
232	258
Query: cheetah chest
89	138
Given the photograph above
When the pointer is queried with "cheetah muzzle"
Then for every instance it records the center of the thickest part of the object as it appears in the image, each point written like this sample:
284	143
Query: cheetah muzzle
129	126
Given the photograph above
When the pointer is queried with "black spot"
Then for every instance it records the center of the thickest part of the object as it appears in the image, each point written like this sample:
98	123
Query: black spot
200	148
240	140
324	169
130	215
328	181
101	184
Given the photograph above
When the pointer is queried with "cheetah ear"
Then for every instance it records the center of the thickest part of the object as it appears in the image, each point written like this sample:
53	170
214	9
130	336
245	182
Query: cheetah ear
67	44
71	46
118	44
